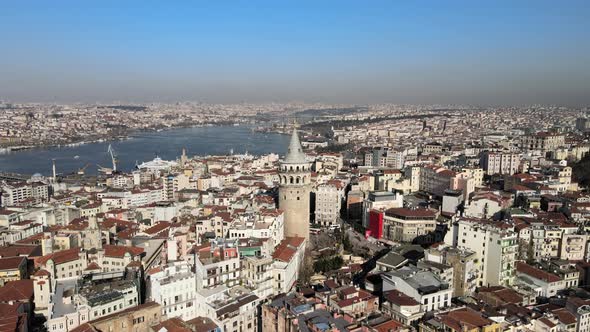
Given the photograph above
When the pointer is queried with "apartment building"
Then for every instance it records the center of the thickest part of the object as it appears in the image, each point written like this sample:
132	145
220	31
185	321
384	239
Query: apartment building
499	162
405	224
423	286
435	180
463	263
380	201
258	275
232	309
13	268
495	246
138	318
328	202
544	141
287	260
545	283
383	157
15	193
173	286
64	264
217	263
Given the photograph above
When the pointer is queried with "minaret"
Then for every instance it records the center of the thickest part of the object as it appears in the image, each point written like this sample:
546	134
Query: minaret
53	173
183	158
294	189
93	236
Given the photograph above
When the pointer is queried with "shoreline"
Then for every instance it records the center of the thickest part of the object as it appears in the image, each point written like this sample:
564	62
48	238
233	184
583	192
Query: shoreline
102	139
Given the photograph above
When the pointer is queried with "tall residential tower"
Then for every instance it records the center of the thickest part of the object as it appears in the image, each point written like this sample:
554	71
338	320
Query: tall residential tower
294	189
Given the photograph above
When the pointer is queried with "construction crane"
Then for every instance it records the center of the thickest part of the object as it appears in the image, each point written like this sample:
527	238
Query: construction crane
107	170
113	158
83	169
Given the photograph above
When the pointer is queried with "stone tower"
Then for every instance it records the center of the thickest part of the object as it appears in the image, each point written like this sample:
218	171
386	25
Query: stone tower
294	189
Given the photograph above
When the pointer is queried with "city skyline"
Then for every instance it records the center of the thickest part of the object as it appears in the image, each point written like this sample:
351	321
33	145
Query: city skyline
333	52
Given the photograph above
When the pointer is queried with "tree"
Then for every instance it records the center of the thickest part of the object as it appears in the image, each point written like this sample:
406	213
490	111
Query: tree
346	243
328	264
306	270
581	171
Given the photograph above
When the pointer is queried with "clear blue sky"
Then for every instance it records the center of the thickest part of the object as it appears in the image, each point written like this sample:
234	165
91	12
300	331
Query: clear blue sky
500	52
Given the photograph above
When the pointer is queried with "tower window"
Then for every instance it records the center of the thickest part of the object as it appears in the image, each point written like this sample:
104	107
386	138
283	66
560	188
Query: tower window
297	197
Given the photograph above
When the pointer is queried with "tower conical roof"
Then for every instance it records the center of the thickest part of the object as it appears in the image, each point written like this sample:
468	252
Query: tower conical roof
295	153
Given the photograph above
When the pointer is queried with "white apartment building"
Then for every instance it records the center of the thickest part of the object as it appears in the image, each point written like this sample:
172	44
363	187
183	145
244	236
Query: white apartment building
64	264
265	224
328	202
499	162
423	286
217	264
135	197
546	284
174	287
544	141
495	245
405	224
573	247
258	275
12	194
435	180
287	259
232	309
476	174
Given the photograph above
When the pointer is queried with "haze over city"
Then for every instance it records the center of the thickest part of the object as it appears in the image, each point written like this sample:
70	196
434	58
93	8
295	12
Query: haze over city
295	166
459	52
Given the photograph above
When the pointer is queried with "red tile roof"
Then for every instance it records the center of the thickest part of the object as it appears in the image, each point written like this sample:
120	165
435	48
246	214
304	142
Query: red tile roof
465	317
59	257
42	273
287	248
536	273
564	316
173	325
20	250
11	263
84	328
389	326
159	227
18	290
120	251
399	298
406	212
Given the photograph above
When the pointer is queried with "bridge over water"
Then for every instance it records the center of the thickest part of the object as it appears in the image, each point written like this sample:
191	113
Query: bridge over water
14	176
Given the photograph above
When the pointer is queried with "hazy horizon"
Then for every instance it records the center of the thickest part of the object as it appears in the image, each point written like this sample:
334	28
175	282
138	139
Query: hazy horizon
455	52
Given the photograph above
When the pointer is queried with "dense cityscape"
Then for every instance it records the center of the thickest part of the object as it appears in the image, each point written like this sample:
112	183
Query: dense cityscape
376	218
295	166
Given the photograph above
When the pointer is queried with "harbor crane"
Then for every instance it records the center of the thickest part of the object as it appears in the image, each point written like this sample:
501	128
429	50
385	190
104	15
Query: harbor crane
83	169
107	170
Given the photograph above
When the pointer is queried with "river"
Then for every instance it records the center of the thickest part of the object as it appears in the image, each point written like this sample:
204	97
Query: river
141	147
